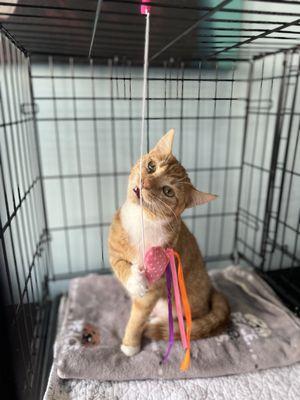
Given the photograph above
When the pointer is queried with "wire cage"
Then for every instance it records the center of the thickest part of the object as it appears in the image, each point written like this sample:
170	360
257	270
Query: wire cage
224	74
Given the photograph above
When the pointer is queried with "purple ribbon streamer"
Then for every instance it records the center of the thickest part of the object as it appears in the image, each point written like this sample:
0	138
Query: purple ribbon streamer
171	326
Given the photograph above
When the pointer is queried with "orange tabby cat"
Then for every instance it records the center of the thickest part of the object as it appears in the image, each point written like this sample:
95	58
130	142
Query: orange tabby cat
167	192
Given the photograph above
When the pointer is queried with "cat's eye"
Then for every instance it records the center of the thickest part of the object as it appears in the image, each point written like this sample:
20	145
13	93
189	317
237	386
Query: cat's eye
151	167
168	191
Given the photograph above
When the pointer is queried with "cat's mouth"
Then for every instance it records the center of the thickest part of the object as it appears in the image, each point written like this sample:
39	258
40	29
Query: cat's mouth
136	190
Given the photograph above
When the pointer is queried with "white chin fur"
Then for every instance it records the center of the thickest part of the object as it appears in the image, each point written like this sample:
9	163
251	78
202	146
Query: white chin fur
130	351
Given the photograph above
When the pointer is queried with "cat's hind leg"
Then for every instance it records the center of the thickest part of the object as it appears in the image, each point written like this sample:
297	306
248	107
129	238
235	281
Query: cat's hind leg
210	324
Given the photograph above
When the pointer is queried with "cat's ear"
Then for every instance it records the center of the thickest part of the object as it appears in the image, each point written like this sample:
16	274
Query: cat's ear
196	198
165	144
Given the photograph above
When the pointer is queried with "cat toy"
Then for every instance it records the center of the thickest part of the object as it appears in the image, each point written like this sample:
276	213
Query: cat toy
157	260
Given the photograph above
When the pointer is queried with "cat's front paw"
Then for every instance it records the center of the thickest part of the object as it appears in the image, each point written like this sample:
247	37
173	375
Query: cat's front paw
137	284
130	351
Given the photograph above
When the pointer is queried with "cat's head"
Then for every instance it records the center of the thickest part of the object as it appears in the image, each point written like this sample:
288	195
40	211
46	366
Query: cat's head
166	188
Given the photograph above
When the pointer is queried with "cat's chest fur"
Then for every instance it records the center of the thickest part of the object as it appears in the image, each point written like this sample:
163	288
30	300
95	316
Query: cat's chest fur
156	232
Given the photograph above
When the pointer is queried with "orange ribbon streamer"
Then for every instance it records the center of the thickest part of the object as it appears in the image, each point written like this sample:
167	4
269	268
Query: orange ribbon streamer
187	312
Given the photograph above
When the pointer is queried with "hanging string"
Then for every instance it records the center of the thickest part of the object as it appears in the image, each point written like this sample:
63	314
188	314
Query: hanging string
145	77
171	271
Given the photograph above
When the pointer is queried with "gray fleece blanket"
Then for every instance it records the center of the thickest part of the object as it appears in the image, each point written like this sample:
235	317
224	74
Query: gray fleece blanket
262	334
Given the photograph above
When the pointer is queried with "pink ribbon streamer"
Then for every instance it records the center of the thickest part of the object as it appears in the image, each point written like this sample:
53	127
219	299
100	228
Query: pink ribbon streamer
171	322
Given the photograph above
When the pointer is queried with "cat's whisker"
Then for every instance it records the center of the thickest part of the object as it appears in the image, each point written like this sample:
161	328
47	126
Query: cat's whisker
165	204
165	216
172	227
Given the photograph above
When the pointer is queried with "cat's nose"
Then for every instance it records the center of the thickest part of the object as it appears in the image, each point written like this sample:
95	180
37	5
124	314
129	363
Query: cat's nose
146	184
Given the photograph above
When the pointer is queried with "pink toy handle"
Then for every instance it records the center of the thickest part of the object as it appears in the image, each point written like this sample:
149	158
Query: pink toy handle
145	9
170	254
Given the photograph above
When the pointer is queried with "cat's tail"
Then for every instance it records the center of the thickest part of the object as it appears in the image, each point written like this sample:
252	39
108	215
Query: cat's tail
210	324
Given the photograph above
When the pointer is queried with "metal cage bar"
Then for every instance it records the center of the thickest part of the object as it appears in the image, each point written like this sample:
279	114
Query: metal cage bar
187	32
24	251
167	103
230	87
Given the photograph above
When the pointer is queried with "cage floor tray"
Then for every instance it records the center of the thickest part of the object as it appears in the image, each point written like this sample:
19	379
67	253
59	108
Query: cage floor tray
263	333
